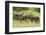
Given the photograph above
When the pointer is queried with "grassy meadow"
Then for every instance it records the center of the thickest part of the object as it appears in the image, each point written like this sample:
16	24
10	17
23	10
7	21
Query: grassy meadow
26	10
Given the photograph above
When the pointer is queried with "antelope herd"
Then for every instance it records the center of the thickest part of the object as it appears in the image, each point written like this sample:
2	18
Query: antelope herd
24	17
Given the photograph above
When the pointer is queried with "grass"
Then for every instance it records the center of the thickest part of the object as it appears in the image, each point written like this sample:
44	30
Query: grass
18	24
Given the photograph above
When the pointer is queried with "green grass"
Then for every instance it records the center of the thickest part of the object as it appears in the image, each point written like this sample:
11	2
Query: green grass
18	24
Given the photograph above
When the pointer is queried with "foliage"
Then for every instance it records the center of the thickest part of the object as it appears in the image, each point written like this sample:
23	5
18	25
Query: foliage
18	9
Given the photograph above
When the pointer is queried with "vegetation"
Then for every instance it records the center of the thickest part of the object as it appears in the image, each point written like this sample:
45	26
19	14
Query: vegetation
26	10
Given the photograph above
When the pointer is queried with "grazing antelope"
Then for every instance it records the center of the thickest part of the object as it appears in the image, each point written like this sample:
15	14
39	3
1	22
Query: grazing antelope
36	19
25	17
33	18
